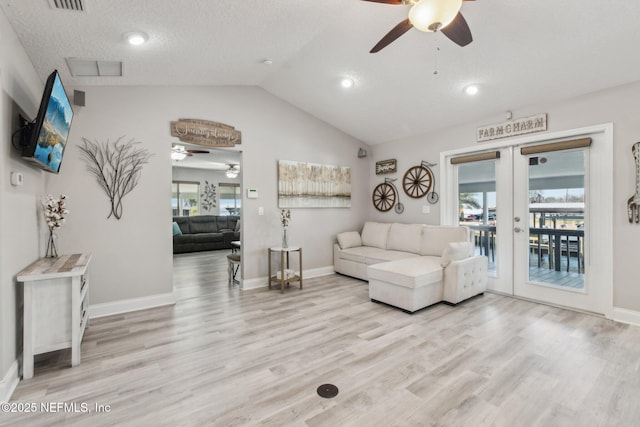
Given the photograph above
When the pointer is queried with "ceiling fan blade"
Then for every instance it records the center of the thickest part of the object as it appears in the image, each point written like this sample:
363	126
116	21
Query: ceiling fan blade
458	31
386	1
392	35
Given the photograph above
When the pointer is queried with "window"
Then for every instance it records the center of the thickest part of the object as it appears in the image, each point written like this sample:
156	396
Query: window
184	198
230	199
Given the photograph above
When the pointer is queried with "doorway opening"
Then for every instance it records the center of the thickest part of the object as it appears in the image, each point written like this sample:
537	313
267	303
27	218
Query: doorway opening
206	206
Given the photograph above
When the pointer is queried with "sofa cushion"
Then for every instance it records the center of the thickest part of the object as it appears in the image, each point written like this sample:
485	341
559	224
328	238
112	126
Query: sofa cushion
374	234
411	272
203	224
208	237
382	255
405	237
436	238
358	253
182	239
456	251
349	239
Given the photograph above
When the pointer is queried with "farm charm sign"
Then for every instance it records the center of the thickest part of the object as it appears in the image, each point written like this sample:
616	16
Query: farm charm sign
522	126
205	133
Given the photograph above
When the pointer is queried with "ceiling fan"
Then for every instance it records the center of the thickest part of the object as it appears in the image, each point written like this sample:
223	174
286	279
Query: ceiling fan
232	170
429	16
178	152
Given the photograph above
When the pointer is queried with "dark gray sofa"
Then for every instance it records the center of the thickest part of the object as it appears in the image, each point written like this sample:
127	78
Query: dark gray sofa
205	232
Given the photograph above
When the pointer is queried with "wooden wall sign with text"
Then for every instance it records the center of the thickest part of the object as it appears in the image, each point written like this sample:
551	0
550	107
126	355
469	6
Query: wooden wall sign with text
512	128
205	133
386	166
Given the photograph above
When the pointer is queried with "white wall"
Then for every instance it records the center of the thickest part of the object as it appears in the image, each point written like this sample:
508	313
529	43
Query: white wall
619	106
214	177
21	237
133	257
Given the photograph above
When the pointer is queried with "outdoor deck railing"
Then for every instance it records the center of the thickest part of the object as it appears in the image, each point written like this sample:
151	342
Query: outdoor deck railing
556	242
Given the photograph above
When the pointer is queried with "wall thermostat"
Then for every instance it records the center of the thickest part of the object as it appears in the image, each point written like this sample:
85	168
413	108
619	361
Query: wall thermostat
252	193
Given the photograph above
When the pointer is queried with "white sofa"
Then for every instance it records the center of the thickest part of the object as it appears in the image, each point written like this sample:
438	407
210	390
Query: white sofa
412	266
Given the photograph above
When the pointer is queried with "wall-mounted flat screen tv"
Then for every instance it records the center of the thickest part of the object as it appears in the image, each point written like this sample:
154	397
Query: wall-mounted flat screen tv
49	133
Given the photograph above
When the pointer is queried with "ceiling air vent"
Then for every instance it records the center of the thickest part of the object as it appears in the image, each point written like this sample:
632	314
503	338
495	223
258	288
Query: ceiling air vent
76	5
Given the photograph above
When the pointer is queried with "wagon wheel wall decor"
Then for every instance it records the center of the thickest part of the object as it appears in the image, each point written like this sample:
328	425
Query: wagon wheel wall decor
384	197
417	182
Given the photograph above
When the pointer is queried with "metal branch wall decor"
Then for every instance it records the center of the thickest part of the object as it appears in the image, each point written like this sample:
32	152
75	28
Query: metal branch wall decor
117	167
633	204
208	196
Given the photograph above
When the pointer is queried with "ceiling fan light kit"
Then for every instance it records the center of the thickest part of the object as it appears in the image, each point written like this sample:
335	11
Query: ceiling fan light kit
232	172
178	153
429	16
432	15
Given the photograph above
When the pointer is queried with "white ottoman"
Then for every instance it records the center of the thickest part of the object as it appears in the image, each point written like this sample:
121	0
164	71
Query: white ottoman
409	284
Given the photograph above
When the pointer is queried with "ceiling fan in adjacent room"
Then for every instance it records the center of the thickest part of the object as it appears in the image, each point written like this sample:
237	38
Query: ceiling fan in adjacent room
178	152
232	170
429	16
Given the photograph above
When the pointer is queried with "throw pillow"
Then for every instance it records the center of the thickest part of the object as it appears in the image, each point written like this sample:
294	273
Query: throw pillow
176	229
349	239
238	226
456	251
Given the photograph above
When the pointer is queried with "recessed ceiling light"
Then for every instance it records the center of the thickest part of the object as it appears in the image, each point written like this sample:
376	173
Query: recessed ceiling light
136	38
471	90
346	83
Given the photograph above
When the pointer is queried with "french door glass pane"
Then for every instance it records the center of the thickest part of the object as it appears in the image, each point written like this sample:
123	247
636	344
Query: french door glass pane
477	206
556	219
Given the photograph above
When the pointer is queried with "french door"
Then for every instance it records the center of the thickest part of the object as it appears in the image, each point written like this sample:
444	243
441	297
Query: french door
535	209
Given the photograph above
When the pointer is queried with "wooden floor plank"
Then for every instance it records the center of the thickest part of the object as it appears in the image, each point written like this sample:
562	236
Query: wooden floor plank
222	356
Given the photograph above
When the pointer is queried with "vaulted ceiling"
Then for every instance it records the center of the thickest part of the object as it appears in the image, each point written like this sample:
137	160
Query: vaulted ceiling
523	53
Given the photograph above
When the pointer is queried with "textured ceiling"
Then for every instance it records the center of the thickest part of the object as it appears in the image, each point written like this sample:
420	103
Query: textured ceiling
523	53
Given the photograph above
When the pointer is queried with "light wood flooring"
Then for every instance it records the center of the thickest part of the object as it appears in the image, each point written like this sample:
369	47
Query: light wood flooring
233	358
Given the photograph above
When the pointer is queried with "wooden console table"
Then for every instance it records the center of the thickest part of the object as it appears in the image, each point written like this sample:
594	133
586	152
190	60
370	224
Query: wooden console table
56	303
284	266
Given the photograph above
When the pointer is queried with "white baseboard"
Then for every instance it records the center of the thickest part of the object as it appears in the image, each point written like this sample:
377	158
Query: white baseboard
261	282
623	315
9	382
128	305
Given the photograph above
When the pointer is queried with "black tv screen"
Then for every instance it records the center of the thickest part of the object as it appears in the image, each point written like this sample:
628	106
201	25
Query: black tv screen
50	130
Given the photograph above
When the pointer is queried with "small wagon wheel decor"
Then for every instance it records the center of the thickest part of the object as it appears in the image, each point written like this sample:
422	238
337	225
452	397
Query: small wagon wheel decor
419	180
385	195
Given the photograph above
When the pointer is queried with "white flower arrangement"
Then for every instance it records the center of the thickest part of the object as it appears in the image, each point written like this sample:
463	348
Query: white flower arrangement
285	217
54	211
